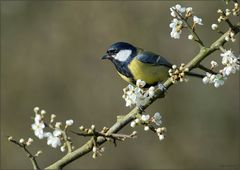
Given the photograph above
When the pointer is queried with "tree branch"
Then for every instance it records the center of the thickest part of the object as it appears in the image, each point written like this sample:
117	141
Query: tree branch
87	147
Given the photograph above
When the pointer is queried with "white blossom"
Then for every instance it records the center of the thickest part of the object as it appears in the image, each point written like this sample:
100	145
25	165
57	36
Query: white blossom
227	12
189	9
38	127
227	38
214	64
176	26
53	116
10	138
137	120
58	124
146	128
94	149
29	141
158	130
137	95
37	118
54	141
36	109
63	148
206	79
214	26
57	132
140	83
161	137
133	124
178	8
69	122
231	63
92	127
173	13
197	20
21	141
145	118
174	66
218	81
190	37
47	134
151	91
43	112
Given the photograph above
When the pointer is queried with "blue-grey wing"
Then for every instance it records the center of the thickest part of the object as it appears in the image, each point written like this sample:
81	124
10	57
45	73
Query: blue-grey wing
153	59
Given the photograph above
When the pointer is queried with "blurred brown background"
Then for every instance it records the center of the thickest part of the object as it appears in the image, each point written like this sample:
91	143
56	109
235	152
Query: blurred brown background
50	57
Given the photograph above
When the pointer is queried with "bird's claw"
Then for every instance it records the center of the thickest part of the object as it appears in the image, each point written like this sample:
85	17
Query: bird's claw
162	87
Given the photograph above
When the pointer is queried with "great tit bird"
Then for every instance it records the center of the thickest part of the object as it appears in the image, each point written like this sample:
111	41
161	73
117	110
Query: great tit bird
134	63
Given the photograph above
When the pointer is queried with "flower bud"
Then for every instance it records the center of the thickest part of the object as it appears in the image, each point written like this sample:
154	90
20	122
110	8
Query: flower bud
36	109
190	37
21	141
214	26
10	138
81	128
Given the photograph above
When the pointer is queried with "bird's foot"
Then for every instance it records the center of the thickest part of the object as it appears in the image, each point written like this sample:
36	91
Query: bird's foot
162	87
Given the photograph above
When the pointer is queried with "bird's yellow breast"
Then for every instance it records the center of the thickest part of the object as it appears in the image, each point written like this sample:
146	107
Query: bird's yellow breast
125	78
149	73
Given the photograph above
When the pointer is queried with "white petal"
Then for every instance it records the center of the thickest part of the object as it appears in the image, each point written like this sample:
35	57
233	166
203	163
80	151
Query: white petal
57	132
145	117
146	128
205	80
161	137
132	124
69	122
37	118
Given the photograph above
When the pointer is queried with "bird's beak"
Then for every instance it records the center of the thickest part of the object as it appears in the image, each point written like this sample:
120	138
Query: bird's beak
106	56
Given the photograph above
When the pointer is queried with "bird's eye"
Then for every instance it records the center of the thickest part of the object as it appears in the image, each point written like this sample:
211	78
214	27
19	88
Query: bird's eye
112	51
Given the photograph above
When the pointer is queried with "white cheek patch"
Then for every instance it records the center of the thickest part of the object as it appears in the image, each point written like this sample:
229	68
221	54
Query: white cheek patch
122	55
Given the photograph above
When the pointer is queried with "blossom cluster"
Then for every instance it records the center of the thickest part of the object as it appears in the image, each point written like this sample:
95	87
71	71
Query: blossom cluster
178	74
180	16
231	64
54	138
225	14
137	95
24	144
147	121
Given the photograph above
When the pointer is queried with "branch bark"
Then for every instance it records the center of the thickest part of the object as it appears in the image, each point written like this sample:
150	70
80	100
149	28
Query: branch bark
194	63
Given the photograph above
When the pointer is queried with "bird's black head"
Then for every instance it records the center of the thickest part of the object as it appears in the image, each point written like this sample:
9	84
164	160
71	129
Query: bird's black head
120	52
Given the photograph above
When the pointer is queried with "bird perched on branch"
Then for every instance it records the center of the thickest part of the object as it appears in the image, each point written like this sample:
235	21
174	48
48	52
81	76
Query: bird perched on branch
134	63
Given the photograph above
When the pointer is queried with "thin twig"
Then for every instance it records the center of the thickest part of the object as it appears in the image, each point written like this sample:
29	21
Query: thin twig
114	136
68	143
29	154
202	67
191	29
